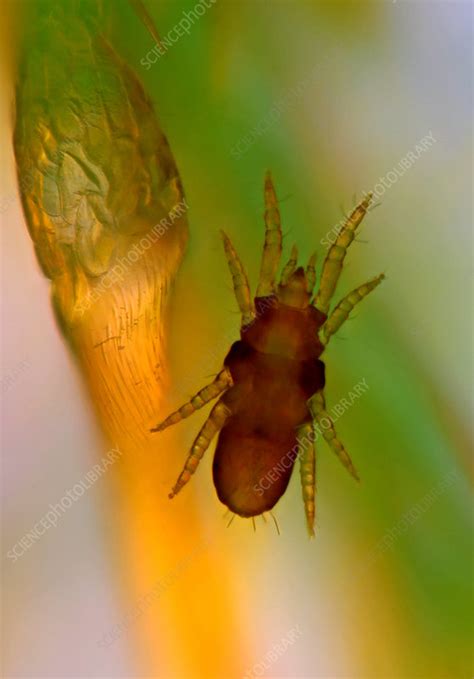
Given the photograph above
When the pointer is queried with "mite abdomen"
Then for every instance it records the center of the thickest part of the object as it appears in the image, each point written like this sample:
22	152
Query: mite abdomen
257	447
251	472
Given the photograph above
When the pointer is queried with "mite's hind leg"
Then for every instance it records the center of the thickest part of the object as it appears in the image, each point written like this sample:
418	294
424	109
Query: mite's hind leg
212	425
307	457
240	281
273	237
345	306
222	382
334	260
317	406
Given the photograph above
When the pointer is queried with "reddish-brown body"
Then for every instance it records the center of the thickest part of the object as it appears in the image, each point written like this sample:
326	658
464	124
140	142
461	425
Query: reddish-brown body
271	388
275	369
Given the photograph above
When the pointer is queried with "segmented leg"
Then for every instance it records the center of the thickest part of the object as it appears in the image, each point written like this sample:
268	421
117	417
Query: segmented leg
240	281
334	260
212	425
317	406
345	306
290	266
273	237
222	382
311	274
308	473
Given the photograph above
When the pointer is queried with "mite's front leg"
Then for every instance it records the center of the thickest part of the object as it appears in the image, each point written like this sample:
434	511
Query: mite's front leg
317	407
240	281
345	306
273	238
334	260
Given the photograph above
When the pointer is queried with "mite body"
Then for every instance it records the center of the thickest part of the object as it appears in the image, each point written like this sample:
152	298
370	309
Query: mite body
271	387
274	370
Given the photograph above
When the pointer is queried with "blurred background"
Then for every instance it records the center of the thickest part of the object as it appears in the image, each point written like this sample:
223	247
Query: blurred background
330	96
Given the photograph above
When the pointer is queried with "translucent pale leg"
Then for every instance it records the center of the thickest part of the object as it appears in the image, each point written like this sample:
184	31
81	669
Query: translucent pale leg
345	306
273	237
222	382
334	260
290	266
311	273
212	425
317	406
240	281
143	14
308	473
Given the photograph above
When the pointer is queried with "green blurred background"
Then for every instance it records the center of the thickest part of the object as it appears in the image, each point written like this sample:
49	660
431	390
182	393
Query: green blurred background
374	78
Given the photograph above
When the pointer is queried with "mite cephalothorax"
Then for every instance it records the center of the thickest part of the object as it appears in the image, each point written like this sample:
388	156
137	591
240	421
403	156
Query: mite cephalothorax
271	387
